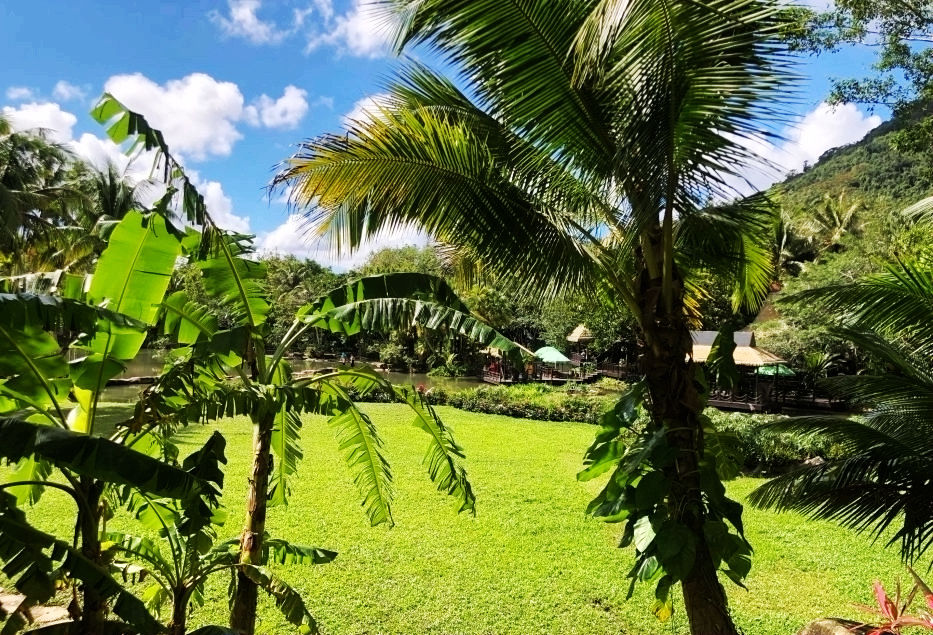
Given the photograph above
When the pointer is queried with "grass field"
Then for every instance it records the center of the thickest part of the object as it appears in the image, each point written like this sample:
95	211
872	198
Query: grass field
529	562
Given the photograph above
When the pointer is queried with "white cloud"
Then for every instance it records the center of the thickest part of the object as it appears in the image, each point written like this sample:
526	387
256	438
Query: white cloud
243	22
324	100
20	93
284	112
219	205
805	141
365	109
67	91
359	31
99	152
197	113
824	128
295	237
325	8
47	116
362	31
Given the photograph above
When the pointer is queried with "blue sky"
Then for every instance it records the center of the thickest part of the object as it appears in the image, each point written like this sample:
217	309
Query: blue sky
235	84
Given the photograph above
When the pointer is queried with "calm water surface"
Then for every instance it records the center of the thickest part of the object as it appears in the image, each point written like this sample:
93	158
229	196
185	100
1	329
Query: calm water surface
149	362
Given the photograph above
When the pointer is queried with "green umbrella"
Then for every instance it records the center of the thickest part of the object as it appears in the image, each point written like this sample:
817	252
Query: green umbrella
775	369
551	355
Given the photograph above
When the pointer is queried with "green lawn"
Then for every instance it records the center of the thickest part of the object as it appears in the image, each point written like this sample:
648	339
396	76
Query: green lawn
529	562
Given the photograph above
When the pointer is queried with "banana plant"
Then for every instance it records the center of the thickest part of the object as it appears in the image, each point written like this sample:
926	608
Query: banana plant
225	372
50	391
186	554
219	372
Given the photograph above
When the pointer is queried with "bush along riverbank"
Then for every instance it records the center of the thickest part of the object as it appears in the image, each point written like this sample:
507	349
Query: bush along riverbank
753	446
534	401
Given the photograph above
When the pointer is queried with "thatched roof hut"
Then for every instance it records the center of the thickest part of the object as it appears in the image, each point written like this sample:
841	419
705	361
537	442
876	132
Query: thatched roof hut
581	334
746	352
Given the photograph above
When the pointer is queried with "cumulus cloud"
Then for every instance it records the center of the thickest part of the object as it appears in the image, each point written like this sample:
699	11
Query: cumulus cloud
66	91
197	113
242	21
361	31
294	237
47	116
20	93
365	109
284	112
823	128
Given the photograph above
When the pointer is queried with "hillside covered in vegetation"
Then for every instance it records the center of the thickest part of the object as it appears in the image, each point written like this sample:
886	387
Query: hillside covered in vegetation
840	219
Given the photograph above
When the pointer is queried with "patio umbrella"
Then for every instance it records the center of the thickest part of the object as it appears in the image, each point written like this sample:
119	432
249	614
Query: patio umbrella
551	355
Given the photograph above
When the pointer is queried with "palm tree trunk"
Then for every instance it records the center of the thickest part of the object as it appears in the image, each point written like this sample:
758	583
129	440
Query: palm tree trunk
93	607
676	404
243	614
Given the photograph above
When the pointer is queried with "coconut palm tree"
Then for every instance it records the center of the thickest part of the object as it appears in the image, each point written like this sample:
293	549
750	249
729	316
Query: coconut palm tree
581	153
32	188
105	196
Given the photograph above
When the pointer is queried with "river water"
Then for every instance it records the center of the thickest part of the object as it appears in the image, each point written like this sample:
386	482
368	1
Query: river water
149	362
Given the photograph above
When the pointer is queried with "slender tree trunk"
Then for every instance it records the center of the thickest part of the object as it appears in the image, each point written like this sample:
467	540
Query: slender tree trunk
676	405
179	612
243	615
94	606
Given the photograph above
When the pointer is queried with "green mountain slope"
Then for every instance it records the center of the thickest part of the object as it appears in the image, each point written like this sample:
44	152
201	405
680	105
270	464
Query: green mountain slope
871	168
842	219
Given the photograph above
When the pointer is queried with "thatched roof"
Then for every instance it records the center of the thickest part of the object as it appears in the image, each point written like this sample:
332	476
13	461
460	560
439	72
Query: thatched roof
497	352
580	334
745	354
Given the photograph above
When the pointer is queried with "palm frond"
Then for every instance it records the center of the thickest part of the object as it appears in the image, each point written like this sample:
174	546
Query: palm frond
517	56
420	167
731	240
668	64
898	300
444	454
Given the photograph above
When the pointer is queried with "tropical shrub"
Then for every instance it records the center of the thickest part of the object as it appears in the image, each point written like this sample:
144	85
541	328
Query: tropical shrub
193	554
525	401
760	449
894	611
